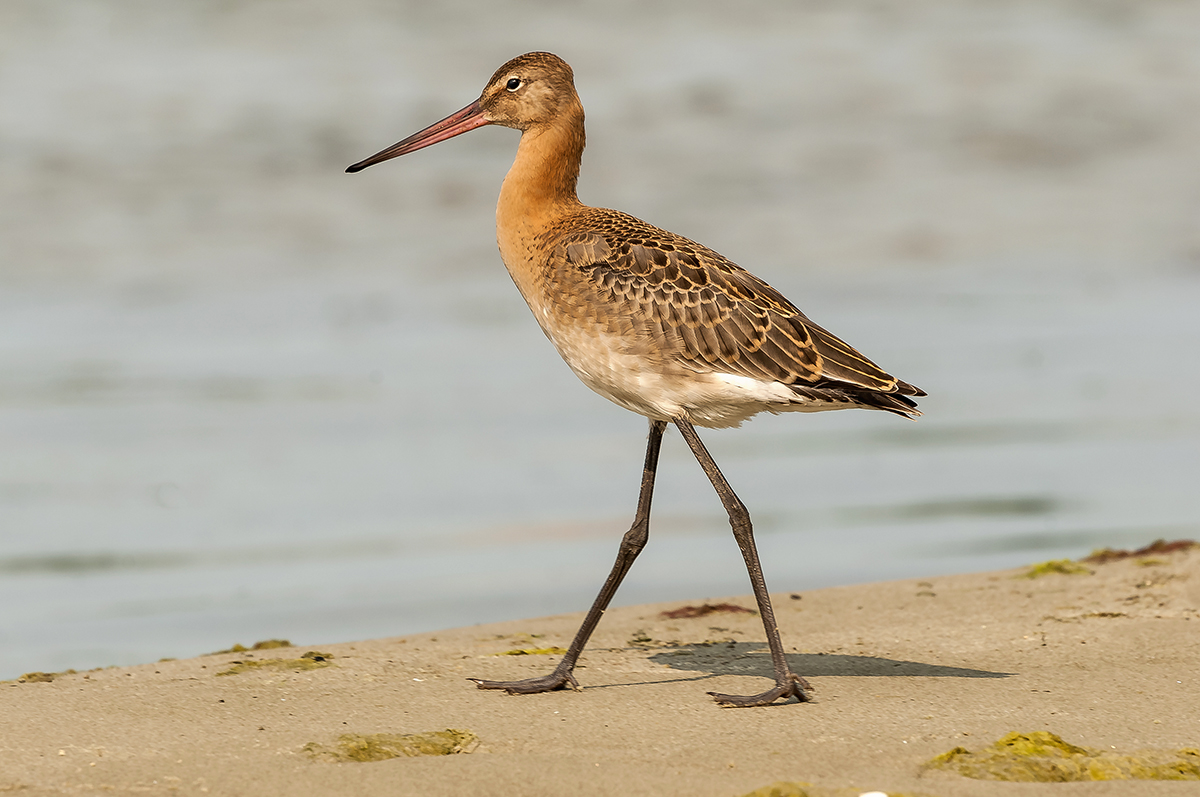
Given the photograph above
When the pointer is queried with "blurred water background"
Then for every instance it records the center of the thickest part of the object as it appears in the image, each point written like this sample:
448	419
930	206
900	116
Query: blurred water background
244	395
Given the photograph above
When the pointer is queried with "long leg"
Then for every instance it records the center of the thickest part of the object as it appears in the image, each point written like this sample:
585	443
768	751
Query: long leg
787	683
631	545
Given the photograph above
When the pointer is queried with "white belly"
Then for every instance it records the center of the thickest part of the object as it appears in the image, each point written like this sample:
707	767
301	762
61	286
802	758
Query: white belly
644	380
666	391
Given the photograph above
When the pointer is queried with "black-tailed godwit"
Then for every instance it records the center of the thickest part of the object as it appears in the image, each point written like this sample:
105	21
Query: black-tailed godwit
655	322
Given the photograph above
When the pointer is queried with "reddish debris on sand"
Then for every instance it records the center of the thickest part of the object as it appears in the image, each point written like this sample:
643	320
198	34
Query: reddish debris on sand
1157	547
684	612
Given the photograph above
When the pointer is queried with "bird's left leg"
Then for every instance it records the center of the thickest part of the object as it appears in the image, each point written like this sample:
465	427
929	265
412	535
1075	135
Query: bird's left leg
631	545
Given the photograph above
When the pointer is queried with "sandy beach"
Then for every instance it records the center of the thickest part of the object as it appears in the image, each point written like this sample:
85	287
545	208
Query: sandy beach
1106	656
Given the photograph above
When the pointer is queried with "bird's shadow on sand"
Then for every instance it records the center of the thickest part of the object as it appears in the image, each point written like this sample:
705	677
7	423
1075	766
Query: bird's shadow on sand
753	658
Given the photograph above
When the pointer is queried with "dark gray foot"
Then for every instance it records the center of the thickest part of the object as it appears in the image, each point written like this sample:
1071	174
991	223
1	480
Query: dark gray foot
531	686
792	686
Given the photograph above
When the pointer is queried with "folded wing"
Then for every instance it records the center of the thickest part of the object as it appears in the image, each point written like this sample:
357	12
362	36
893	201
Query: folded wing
710	315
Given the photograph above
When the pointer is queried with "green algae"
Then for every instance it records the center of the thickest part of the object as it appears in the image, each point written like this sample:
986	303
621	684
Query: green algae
1043	757
1060	566
640	639
42	677
1149	556
382	746
312	660
266	644
551	651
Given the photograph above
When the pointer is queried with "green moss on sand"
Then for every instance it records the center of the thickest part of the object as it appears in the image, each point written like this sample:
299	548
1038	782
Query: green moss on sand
552	651
42	677
266	644
382	746
1061	566
1043	757
312	660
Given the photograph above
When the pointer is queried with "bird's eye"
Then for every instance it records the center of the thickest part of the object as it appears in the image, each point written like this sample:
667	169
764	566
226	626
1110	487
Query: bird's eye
514	83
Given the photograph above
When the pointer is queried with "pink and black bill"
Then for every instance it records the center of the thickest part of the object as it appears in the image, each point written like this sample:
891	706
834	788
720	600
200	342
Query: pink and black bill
453	125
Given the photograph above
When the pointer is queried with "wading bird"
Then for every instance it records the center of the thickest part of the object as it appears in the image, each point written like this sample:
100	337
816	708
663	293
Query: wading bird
657	323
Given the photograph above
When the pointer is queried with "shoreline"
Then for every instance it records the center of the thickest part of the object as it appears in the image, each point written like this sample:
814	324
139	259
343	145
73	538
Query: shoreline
1105	658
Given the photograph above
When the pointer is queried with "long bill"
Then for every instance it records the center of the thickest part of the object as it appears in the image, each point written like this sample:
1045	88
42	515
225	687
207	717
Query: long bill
453	125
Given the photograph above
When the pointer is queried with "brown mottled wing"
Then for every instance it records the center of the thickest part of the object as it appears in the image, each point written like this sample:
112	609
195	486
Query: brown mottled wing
710	314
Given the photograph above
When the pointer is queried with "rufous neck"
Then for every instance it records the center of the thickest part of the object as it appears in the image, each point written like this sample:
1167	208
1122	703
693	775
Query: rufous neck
545	172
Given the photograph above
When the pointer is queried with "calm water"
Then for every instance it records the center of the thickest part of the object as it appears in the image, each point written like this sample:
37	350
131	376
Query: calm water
243	395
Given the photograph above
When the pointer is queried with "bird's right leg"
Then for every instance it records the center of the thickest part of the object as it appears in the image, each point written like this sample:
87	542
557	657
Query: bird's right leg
631	545
787	683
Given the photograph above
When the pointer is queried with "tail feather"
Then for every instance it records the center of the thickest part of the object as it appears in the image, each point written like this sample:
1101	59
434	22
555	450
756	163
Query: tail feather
896	401
892	402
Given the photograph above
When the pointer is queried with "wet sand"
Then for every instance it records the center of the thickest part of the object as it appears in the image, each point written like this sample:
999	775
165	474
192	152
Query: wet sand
1106	658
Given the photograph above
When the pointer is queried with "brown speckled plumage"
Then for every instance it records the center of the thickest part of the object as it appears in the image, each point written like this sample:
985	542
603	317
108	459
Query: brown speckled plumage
699	310
652	321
